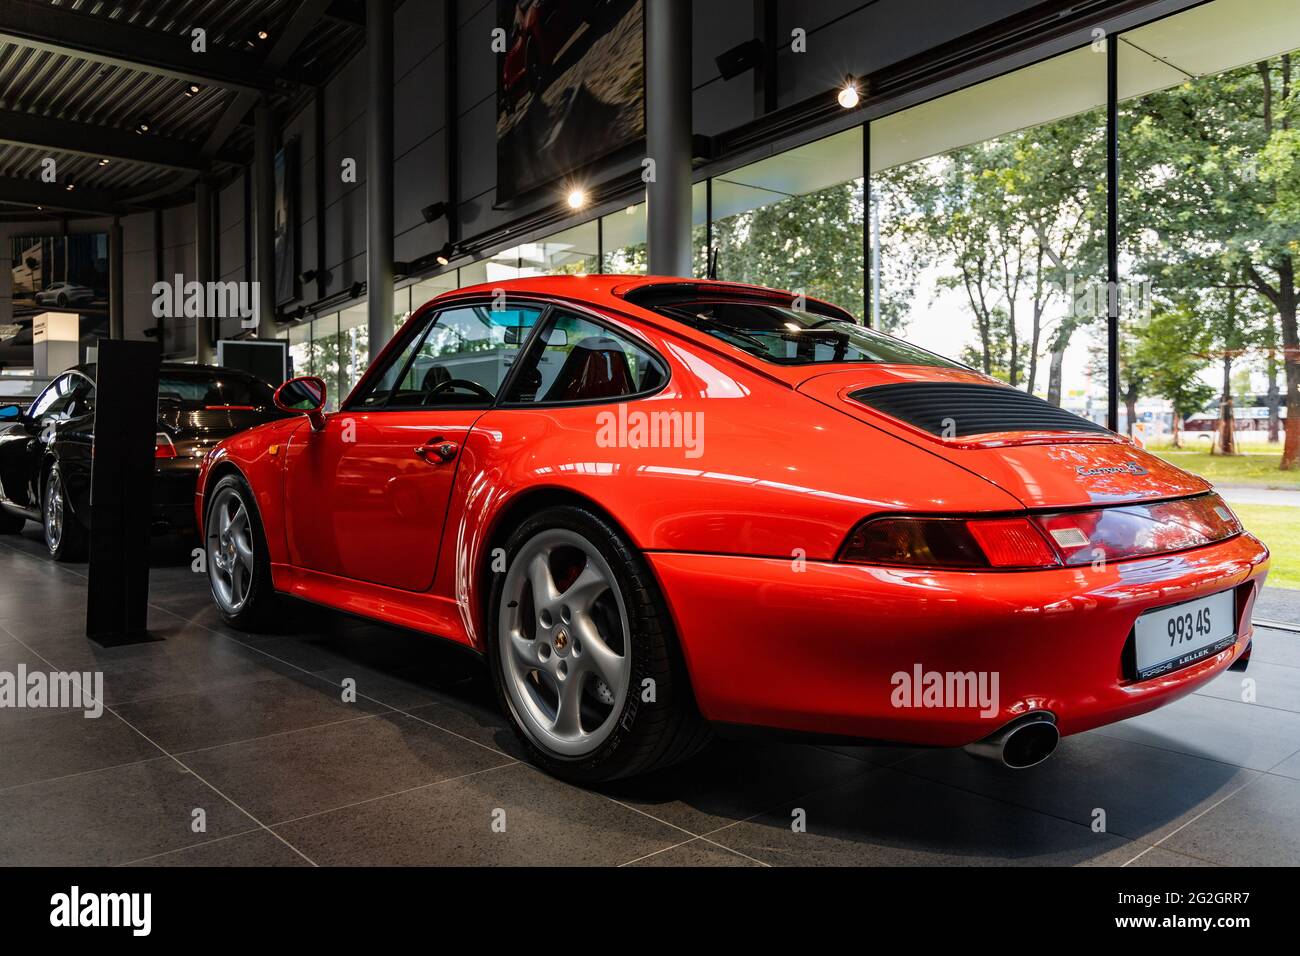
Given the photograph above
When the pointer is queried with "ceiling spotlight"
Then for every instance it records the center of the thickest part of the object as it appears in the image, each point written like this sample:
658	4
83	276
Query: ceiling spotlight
848	95
434	211
71	187
306	276
577	198
262	34
193	89
103	162
356	289
142	127
443	255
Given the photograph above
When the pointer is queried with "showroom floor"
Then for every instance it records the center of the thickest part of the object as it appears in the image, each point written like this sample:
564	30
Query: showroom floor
420	769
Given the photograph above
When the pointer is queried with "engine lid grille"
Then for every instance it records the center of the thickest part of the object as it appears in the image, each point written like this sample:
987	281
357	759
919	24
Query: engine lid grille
962	409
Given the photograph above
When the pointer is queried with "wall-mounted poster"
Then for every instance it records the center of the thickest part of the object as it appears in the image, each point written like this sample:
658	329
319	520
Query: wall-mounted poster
286	224
570	88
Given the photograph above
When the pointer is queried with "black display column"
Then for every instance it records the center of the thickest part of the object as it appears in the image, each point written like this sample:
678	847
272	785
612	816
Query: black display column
121	490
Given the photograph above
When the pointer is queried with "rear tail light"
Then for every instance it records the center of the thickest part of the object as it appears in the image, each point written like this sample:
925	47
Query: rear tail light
1068	538
162	446
1130	531
948	543
1012	543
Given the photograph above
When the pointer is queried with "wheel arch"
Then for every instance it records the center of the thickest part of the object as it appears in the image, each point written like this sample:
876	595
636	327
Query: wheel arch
514	511
220	470
510	515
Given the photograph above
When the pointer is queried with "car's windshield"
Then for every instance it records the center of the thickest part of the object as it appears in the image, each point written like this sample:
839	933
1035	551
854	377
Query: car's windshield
789	336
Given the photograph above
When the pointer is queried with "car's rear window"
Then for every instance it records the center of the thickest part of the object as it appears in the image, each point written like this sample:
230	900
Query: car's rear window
788	336
213	390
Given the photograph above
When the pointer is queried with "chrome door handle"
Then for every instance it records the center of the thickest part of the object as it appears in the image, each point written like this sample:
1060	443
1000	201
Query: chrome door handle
441	450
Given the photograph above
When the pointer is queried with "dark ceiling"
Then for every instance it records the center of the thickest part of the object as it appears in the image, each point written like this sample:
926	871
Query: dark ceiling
80	79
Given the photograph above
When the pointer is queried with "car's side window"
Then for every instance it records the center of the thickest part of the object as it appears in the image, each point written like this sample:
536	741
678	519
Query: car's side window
83	397
459	361
578	360
54	401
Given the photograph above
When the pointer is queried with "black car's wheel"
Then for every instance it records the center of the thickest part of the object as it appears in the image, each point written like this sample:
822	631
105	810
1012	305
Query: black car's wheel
239	565
62	299
583	653
64	535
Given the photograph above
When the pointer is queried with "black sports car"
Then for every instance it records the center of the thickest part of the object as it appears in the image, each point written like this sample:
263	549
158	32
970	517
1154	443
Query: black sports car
45	452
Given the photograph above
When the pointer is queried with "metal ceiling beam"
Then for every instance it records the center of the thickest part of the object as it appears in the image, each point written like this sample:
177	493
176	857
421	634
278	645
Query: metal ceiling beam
52	196
42	26
306	16
84	139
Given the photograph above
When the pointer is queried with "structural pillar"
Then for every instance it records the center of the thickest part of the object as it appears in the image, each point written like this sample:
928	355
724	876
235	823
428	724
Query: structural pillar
379	175
668	136
116	296
203	350
264	217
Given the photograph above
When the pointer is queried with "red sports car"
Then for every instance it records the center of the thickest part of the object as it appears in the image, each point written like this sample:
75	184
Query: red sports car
662	507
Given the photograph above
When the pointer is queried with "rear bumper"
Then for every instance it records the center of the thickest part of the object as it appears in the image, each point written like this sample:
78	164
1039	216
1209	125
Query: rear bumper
819	648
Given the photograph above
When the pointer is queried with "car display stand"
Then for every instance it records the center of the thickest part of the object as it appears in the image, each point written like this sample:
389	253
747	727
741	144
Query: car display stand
121	483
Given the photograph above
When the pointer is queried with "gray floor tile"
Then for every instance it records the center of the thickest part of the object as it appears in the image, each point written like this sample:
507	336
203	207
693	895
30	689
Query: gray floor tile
887	818
111	816
730	781
1145	792
1159	856
1272	685
1228	731
547	823
308	771
480	722
1289	767
257	848
1260	826
63	743
1273	646
695	853
242	712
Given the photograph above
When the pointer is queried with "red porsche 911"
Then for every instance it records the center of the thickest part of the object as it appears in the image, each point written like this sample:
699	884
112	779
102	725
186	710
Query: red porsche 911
663	508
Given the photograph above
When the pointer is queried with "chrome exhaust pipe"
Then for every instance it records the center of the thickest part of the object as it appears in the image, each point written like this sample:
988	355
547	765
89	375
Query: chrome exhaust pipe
1022	743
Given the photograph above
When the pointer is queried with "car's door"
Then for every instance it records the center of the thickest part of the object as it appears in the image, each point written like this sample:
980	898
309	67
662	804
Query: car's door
366	496
23	443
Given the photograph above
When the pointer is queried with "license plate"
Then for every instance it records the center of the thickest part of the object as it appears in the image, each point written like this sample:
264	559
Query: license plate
1182	634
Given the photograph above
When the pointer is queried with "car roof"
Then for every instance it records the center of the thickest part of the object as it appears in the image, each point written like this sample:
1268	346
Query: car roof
620	291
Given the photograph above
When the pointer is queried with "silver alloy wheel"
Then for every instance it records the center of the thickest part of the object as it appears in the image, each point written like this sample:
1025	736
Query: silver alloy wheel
565	654
54	512
230	551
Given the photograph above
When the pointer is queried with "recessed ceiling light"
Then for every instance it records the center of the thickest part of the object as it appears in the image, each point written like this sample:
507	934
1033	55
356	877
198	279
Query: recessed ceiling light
193	89
143	127
577	198
103	162
71	187
262	34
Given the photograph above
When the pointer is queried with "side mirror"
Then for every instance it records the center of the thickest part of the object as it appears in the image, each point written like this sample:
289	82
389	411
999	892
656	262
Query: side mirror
305	395
10	413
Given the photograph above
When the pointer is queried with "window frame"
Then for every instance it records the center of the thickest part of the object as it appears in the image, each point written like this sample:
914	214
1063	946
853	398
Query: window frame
604	323
420	325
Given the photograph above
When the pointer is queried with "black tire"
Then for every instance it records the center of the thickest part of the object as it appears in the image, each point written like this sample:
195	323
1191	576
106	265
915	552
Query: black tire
258	610
646	735
11	523
66	539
